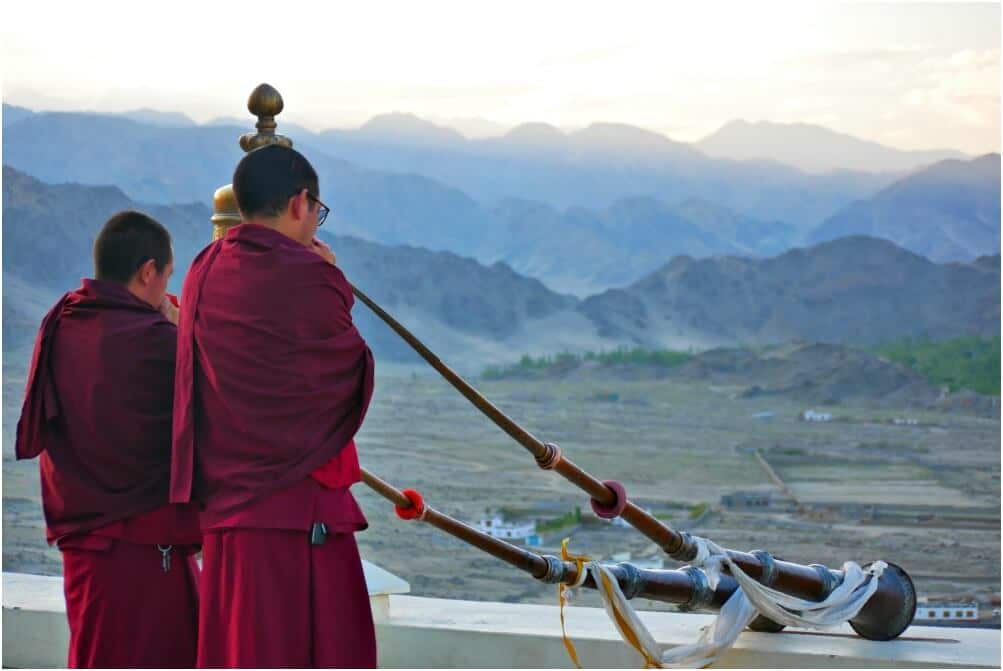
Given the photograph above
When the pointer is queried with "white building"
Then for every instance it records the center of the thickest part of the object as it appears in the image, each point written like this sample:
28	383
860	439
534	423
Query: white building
961	612
812	416
497	527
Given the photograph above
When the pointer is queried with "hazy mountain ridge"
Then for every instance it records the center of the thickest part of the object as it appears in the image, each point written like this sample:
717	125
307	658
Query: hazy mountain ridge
949	211
593	167
616	245
601	164
814	148
156	163
13	114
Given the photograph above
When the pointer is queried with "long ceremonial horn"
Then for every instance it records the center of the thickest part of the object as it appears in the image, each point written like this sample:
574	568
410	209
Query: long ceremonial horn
687	586
886	615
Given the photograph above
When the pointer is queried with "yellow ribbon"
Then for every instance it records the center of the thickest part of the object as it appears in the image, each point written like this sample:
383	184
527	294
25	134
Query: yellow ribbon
622	622
628	631
580	561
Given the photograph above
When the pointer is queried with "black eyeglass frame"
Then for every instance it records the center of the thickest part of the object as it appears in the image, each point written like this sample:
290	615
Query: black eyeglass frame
322	212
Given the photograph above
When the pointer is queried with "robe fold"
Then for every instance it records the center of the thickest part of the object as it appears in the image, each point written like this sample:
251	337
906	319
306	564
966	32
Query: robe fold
97	413
272	382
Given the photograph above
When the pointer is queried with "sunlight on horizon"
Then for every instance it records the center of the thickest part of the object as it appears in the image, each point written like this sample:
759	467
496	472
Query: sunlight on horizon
889	73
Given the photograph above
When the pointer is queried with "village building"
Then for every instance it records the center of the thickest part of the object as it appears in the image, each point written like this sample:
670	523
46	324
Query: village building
813	416
947	612
497	527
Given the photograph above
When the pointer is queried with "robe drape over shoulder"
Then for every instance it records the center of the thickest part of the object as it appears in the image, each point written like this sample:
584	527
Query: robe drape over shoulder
97	411
273	379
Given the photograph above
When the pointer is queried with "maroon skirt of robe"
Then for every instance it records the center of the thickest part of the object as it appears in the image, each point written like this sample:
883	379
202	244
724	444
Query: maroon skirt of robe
280	602
124	610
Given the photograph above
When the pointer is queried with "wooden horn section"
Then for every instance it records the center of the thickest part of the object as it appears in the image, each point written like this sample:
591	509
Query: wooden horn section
687	586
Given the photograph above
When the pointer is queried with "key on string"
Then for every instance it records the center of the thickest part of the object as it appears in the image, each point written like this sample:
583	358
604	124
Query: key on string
165	557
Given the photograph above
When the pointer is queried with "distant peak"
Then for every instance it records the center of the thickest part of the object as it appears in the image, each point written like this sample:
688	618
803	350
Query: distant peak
158	118
408	125
535	131
612	129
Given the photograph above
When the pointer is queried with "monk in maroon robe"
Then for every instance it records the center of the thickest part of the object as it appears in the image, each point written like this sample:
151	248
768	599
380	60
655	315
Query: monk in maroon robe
273	381
97	414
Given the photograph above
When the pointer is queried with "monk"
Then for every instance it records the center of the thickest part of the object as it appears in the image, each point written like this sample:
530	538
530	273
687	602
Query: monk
273	381
97	413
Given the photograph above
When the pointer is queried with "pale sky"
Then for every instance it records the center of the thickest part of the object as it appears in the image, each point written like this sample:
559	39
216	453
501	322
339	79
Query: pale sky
914	76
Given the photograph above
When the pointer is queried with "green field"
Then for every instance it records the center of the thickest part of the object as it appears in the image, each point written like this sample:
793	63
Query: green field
640	356
963	363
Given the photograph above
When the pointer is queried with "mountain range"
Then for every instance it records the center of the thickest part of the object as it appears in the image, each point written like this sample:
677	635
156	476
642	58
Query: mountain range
593	167
852	290
166	159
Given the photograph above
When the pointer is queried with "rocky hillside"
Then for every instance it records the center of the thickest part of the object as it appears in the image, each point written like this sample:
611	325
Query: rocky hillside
813	373
851	290
49	231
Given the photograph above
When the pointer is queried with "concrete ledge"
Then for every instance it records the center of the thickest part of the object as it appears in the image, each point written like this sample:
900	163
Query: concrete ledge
417	632
36	635
448	633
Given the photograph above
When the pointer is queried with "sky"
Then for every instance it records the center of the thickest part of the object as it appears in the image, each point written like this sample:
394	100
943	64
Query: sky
913	76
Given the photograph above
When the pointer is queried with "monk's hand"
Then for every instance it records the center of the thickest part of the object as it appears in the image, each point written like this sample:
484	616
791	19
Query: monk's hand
168	310
323	251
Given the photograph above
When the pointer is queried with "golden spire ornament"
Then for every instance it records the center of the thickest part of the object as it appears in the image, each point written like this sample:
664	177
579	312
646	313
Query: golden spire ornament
265	102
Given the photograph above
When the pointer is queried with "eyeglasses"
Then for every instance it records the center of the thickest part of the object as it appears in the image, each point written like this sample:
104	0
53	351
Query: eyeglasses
322	209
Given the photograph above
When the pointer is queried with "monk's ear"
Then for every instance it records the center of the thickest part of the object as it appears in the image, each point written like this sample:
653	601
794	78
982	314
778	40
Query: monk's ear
298	205
147	271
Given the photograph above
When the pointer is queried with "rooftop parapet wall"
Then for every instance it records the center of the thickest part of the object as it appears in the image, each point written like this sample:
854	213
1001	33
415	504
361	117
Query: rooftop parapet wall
417	632
36	635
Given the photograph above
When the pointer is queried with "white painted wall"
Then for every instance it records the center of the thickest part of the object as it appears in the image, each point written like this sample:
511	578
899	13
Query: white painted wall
417	632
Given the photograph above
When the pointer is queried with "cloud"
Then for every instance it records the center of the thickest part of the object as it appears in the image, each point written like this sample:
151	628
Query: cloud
963	87
891	55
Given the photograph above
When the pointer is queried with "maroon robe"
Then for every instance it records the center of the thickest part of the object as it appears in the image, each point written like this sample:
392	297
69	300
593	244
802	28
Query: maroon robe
273	381
97	413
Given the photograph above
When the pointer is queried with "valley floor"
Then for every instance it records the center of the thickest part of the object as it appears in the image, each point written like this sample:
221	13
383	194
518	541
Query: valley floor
674	445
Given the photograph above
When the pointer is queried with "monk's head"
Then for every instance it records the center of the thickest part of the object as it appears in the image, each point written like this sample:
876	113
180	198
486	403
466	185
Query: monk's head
135	251
276	186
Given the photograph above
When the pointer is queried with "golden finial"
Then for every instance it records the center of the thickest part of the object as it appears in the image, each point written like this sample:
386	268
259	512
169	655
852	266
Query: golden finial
225	214
265	103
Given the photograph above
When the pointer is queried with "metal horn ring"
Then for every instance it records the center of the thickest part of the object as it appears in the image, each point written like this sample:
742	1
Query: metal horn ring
549	460
830	579
555	570
769	564
631	580
702	594
687	550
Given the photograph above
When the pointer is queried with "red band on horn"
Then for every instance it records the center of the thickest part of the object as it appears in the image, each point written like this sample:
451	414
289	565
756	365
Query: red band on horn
614	510
415	510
